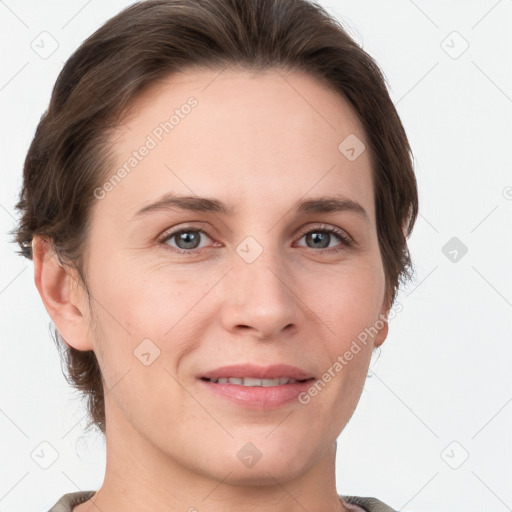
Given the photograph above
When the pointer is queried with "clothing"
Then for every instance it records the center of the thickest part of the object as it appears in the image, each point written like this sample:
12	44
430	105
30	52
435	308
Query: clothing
365	504
353	503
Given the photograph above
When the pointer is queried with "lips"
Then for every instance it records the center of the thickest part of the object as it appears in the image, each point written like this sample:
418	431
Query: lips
251	381
250	371
256	387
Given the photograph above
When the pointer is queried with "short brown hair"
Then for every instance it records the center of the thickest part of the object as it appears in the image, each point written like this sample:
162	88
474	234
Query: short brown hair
148	42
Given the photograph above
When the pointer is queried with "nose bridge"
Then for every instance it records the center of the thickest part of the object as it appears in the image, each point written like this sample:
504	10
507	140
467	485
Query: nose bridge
261	268
260	294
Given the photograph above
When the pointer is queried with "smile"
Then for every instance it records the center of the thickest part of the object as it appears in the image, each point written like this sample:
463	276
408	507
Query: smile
252	382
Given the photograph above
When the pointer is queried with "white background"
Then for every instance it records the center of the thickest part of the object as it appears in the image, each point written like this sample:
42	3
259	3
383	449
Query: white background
441	388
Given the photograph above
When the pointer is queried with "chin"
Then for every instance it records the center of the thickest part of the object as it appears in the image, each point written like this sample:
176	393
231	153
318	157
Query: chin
264	474
263	461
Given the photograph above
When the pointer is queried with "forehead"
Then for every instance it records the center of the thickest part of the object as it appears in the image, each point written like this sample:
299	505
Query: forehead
242	136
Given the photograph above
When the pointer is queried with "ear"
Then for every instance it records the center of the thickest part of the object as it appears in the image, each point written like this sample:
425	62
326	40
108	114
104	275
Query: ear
60	292
405	226
383	319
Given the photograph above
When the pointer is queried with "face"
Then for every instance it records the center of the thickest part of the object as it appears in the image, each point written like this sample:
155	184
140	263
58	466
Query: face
268	270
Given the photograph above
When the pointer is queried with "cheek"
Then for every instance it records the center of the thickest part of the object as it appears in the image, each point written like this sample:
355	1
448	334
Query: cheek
135	303
351	300
141	297
350	307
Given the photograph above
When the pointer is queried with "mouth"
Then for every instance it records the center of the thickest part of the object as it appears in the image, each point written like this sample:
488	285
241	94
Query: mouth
250	374
257	387
253	382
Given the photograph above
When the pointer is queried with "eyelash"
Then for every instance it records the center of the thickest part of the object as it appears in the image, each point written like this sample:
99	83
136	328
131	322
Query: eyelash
345	240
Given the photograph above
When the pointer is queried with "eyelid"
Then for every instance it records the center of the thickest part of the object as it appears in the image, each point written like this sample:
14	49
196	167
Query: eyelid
171	232
345	237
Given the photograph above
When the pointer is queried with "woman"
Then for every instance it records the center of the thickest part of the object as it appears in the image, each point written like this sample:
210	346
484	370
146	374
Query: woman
217	203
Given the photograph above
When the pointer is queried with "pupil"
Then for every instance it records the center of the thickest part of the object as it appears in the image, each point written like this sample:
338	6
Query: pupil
323	238
189	241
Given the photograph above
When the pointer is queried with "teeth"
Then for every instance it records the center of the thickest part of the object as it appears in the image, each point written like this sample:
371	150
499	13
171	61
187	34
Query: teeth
249	381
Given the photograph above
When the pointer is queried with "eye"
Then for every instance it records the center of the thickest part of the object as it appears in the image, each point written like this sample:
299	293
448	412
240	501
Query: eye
186	240
322	236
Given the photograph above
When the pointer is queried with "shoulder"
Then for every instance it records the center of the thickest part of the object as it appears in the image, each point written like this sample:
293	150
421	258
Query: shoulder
70	500
367	504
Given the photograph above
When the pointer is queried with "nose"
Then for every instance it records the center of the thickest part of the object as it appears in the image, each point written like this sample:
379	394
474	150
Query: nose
259	298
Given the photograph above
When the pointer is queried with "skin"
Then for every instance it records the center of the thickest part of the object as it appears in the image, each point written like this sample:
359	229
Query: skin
259	142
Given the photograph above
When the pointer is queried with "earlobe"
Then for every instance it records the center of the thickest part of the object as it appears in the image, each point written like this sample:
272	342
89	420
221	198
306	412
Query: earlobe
382	334
382	325
56	286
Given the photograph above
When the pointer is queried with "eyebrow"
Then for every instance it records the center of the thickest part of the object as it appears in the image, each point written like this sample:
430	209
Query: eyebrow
323	204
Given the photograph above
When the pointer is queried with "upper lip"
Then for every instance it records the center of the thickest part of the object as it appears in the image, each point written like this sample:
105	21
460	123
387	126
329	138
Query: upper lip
258	372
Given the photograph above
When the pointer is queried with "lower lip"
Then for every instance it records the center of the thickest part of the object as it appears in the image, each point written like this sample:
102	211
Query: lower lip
259	397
